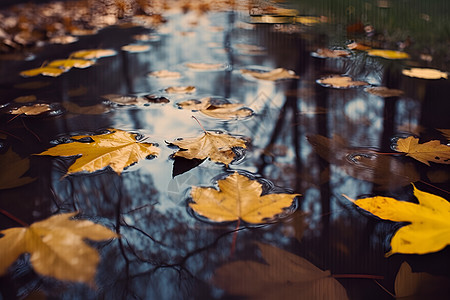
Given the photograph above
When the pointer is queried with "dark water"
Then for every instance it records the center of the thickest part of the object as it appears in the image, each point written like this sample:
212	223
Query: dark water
166	252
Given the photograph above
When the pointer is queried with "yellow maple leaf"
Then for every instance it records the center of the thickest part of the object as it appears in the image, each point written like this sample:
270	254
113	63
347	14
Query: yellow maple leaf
67	64
13	167
46	71
238	198
429	230
56	246
432	151
388	54
117	149
93	53
217	146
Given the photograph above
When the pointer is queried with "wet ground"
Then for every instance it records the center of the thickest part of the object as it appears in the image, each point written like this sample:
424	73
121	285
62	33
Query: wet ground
303	137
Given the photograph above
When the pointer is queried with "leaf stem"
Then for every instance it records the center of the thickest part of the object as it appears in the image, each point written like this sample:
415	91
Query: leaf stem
233	243
384	289
14	218
199	123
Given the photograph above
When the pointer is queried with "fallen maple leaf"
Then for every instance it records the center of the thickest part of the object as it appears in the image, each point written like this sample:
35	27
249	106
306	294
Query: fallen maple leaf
384	92
57	247
283	276
217	146
46	71
31	110
238	198
420	285
13	167
338	82
273	75
117	149
388	54
429	230
217	108
425	73
67	64
432	151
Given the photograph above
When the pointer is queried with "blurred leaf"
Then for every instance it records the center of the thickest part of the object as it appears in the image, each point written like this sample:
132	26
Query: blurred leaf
358	46
384	92
46	71
429	230
216	146
31	110
13	167
238	198
25	99
339	82
325	52
57	247
204	66
411	285
217	108
67	64
384	170
283	276
388	54
135	48
273	75
180	89
117	149
308	20
432	151
93	53
425	73
97	109
165	74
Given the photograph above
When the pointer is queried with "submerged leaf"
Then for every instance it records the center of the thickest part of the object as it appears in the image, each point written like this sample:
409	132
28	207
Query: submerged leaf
217	146
57	247
13	167
425	73
384	92
97	109
273	75
432	151
238	198
429	230
283	276
117	149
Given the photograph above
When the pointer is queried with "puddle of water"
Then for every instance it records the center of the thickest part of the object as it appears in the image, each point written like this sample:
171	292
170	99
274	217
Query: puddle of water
165	251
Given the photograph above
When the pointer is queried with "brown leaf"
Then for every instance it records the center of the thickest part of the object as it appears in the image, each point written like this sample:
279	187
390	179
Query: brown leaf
180	89
273	75
31	110
384	92
13	167
325	52
283	276
97	109
339	82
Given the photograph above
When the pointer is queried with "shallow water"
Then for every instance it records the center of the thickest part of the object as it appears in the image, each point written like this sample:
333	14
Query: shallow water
166	250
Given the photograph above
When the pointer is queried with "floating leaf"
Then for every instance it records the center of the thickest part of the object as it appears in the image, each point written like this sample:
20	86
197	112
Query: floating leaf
117	149
217	108
429	230
340	82
358	46
420	285
64	39
282	276
325	52
31	110
93	54
238	198
180	89
432	151
67	64
45	71
13	167
273	75
217	146
165	74
388	54
204	66
384	92
425	73
57	247
308	20
135	48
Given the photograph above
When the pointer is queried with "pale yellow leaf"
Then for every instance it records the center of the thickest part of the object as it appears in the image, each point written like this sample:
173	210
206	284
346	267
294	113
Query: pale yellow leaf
425	73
